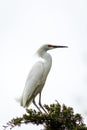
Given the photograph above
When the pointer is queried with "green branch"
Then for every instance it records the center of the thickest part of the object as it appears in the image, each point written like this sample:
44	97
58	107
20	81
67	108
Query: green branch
58	118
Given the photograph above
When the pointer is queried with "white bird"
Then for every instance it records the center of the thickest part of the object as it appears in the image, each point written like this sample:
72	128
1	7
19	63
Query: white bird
37	77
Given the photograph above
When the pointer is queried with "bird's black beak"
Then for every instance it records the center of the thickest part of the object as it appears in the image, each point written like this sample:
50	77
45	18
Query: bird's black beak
59	46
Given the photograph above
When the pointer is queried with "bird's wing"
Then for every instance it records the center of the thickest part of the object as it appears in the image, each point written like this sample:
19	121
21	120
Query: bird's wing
34	83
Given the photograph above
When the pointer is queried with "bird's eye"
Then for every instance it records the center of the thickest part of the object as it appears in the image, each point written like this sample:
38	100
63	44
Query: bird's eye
50	45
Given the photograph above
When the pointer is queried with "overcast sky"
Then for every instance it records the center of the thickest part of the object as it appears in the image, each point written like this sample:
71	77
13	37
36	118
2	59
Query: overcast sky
24	26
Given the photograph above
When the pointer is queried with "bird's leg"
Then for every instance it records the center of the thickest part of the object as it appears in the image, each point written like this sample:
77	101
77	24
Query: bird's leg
41	104
36	105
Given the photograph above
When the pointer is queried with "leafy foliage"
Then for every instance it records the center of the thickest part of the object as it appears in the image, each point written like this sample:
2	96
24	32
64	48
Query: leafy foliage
57	118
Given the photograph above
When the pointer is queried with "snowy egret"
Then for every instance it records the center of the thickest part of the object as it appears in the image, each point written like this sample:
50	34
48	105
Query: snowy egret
37	77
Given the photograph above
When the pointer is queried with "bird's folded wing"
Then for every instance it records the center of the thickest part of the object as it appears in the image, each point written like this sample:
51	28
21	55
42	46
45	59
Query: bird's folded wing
34	80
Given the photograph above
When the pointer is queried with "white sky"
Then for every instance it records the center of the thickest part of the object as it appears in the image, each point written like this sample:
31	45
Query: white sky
24	26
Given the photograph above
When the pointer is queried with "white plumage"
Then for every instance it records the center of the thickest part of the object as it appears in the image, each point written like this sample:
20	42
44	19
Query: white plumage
37	76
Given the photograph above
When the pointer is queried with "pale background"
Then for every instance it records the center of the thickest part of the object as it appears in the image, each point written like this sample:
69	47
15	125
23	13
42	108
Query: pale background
24	26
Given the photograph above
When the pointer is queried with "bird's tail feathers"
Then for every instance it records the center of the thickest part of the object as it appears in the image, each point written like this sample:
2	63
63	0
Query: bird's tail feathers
18	99
23	104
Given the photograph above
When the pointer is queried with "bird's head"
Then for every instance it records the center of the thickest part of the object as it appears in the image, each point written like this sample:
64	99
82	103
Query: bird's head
47	47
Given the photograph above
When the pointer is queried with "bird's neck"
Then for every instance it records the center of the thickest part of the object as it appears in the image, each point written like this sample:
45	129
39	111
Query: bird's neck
47	59
45	56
